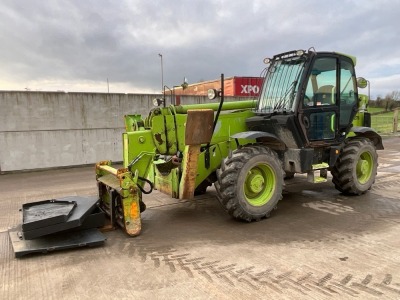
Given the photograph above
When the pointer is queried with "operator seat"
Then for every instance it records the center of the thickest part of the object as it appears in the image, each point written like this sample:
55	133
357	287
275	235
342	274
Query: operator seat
325	95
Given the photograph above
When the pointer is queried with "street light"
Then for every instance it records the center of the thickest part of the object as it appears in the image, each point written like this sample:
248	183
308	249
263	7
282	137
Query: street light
162	73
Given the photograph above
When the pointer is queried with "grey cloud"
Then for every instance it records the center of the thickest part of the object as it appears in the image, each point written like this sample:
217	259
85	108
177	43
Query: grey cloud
120	40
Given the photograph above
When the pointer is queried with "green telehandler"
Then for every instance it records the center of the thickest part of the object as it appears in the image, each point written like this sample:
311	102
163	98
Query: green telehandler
308	118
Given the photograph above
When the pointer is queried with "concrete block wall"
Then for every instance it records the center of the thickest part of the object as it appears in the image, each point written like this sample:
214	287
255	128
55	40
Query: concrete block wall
54	129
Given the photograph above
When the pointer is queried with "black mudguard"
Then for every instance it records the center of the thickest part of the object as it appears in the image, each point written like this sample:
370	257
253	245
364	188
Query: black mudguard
370	134
264	137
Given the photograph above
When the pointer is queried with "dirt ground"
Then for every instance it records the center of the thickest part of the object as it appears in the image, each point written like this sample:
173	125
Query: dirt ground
319	244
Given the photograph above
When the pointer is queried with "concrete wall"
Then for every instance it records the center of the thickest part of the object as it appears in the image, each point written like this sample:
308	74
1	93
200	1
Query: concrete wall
46	129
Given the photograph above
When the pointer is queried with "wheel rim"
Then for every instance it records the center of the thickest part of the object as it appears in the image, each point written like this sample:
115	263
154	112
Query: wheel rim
259	185
364	167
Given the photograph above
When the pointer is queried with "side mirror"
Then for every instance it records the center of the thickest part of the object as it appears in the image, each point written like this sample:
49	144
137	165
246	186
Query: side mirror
362	82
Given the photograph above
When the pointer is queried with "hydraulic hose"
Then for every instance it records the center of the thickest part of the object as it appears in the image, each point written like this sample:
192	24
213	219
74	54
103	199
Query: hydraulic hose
147	181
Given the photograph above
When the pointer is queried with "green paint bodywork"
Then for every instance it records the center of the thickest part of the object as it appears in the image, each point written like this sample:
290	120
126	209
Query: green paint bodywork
353	58
150	145
363	104
182	109
320	166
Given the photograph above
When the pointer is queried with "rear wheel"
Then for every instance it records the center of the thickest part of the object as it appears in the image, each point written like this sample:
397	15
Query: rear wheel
250	183
355	170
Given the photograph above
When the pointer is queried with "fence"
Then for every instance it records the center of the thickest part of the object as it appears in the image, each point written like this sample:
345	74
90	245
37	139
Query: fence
385	123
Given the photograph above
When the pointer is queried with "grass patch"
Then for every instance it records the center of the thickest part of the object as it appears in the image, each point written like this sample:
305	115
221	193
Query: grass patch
373	110
382	123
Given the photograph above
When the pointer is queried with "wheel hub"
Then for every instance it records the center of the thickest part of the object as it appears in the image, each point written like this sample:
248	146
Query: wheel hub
363	167
255	183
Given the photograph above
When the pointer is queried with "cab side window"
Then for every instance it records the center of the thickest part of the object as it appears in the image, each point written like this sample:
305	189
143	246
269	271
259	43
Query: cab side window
348	98
321	86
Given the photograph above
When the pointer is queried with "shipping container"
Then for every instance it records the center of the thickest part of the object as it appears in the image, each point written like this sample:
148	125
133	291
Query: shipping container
234	86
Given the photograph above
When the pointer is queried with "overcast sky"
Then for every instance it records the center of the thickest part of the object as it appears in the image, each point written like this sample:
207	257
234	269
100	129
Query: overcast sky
76	45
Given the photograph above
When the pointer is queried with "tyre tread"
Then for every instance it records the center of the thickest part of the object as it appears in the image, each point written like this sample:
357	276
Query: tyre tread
342	172
226	183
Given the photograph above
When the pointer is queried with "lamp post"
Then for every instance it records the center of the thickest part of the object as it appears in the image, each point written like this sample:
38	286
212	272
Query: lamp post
162	73
369	90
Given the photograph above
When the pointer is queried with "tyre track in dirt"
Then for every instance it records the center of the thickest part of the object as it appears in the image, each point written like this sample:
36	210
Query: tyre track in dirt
308	283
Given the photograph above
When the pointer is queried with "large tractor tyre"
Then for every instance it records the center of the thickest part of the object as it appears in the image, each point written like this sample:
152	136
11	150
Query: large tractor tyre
250	183
356	167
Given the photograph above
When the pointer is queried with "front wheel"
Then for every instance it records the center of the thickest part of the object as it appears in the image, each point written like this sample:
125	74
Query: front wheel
356	167
250	183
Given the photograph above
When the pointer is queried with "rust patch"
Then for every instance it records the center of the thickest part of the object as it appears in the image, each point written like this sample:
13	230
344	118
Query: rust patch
189	172
158	138
131	212
134	214
199	126
122	171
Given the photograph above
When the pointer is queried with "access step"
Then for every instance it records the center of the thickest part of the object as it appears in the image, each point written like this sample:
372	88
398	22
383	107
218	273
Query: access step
322	169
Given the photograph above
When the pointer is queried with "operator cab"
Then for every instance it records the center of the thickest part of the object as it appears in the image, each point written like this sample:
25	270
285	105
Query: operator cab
329	100
308	98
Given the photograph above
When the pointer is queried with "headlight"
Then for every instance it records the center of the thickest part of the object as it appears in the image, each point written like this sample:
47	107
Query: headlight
212	94
157	102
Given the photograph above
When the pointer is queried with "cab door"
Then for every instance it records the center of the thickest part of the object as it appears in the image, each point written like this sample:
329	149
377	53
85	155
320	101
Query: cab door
329	101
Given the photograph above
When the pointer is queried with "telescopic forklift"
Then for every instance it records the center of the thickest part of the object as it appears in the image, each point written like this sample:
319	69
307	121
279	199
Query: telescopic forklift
308	118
